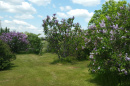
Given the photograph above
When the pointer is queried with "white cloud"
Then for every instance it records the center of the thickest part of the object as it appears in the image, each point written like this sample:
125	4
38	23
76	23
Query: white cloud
40	16
18	25
22	26
65	8
24	16
82	13
63	15
61	8
87	2
22	8
41	2
13	1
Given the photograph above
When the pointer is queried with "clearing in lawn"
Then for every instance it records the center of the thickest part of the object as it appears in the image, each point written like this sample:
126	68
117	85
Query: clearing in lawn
35	70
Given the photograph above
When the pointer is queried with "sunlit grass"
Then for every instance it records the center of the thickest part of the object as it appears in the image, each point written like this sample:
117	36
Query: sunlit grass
35	70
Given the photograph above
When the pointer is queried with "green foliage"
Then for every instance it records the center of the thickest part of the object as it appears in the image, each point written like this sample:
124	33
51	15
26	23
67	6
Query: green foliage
6	30
6	56
110	43
36	44
62	39
110	8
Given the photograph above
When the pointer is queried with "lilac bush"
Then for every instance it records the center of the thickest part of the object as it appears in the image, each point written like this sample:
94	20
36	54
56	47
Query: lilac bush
62	39
111	45
16	40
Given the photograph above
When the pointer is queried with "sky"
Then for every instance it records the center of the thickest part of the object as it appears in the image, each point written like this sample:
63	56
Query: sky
27	15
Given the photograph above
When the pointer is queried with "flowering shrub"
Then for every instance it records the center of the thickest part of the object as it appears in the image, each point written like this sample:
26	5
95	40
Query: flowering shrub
111	44
17	41
62	39
6	56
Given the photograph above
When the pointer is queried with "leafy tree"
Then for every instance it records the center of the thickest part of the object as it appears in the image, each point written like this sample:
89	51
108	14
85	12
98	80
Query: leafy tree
110	9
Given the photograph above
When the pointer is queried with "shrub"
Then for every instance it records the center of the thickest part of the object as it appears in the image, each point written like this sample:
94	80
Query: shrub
36	44
17	41
62	39
6	56
111	48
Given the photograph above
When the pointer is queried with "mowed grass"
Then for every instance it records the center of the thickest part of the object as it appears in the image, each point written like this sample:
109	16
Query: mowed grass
35	70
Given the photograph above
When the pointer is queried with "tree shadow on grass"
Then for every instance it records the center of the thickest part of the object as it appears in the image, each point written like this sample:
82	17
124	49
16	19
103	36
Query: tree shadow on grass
9	67
110	80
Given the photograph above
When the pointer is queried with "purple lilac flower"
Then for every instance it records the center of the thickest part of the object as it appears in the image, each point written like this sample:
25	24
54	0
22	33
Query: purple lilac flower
115	27
14	38
119	69
73	17
44	21
103	47
108	18
117	17
121	7
85	43
104	31
54	14
95	49
122	70
112	32
99	68
67	34
93	70
125	72
118	14
56	21
127	58
126	54
112	38
67	30
92	27
102	24
83	47
76	48
48	17
89	40
123	37
91	55
85	39
97	31
121	28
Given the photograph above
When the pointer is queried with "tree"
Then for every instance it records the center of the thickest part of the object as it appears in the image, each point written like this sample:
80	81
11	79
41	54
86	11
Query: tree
110	9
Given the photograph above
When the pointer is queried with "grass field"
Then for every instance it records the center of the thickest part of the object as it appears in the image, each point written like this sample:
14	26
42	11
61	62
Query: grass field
45	70
35	70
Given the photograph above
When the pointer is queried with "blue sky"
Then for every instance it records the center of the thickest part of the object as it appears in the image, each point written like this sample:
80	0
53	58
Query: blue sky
27	15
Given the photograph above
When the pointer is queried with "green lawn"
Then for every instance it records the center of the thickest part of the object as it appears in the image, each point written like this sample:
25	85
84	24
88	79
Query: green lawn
35	70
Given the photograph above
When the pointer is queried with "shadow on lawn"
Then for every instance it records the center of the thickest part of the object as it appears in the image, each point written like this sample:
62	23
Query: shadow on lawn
110	80
9	67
